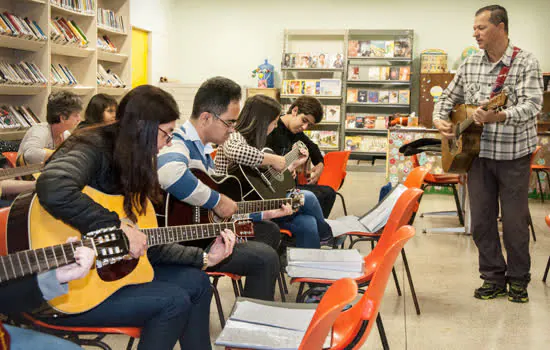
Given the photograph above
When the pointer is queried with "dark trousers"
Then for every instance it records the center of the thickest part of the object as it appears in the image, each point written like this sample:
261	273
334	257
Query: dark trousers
325	194
489	180
175	305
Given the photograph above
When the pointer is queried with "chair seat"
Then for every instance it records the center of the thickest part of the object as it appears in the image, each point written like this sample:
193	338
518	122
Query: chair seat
221	274
133	332
442	179
540	167
286	232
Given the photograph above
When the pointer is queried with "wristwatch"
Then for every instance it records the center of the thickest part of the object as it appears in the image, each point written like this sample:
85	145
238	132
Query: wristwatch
204	261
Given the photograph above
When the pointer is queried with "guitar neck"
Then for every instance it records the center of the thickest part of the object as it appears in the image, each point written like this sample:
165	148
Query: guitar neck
22	171
261	205
174	234
292	156
28	262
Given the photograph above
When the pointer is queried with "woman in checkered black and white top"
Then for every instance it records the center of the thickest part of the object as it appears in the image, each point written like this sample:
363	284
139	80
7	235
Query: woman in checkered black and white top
258	118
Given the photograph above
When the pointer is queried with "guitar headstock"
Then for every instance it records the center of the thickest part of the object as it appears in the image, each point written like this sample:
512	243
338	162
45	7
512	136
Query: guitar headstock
297	199
111	245
300	145
243	229
498	102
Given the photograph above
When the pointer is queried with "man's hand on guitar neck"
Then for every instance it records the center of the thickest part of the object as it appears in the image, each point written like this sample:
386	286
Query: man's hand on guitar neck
445	128
221	248
482	116
226	207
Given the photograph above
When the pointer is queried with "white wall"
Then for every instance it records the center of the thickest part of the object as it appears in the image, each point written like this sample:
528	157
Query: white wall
230	38
156	17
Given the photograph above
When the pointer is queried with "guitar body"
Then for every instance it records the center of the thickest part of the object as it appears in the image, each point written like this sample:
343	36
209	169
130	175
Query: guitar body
254	185
180	213
30	226
458	153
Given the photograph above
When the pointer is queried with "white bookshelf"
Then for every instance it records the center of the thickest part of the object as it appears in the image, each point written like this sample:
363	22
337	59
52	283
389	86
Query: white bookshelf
82	62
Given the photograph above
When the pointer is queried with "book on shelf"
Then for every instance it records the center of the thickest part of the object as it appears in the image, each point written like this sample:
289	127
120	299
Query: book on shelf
374	73
67	33
384	73
323	62
389	46
332	113
62	75
337	61
405	73
326	139
17	117
350	121
402	48
108	19
404	96
289	60
359	122
314	61
353	48
84	6
373	96
24	73
331	87
366	121
352	95
362	96
353	73
16	26
364	48
377	48
105	44
394	73
303	60
366	143
107	78
383	96
394	97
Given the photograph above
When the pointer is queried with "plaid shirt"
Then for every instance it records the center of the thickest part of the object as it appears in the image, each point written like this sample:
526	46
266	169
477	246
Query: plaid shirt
237	151
516	136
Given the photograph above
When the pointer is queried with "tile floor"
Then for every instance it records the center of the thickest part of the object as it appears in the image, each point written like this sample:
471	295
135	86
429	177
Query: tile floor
444	270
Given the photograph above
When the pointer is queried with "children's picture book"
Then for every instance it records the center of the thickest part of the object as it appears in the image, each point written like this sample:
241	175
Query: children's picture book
323	61
389	48
373	96
377	48
310	87
381	123
284	88
303	60
331	87
384	96
394	73
295	87
338	61
374	73
352	96
332	113
404	97
405	73
359	122
384	73
362	96
289	60
350	121
402	48
364	48
328	139
369	122
353	48
353	73
394	97
352	143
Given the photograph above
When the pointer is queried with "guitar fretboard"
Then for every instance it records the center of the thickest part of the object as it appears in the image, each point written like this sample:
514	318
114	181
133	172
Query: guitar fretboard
172	234
27	262
261	205
10	173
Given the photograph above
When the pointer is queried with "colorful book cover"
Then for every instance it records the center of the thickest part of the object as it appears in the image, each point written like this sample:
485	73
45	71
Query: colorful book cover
364	48
384	96
303	60
369	122
404	97
352	143
359	122
384	73
310	87
394	73
350	121
405	73
362	96
377	48
332	113
331	87
287	61
353	48
338	61
394	97
402	48
328	139
323	61
353	73
284	88
294	87
317	87
374	73
389	48
373	96
352	96
314	63
302	87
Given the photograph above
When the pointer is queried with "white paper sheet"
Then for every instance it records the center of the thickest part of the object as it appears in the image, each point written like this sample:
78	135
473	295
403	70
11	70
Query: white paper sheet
279	317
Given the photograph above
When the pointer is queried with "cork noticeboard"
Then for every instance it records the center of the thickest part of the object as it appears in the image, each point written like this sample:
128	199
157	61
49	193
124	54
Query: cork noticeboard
431	87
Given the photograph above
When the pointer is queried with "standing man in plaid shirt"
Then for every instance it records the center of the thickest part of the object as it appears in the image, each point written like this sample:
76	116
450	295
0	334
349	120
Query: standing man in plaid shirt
509	138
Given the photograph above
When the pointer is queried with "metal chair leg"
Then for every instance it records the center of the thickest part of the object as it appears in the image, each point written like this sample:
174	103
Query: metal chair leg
540	186
218	301
396	281
241	289
411	285
343	202
546	271
300	292
283	279
281	289
458	206
382	332
532	227
235	288
130	344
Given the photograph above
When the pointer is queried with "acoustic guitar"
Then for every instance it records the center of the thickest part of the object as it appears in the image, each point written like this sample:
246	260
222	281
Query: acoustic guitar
458	153
30	226
266	182
10	173
181	213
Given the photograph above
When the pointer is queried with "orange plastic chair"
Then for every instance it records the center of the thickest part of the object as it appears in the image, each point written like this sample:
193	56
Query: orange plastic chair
400	216
539	169
341	293
547	219
353	326
4	212
11	158
237	289
213	154
334	173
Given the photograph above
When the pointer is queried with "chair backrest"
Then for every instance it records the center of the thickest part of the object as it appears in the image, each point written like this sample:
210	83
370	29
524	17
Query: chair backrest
3	228
416	178
11	157
213	154
349	326
547	219
340	293
334	172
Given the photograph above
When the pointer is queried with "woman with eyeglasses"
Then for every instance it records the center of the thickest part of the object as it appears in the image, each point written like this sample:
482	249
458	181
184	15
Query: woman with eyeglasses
257	119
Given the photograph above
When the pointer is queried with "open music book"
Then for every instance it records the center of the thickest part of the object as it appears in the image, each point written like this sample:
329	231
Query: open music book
373	220
323	263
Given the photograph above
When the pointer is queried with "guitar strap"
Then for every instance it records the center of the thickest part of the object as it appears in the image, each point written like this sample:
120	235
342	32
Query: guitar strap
503	74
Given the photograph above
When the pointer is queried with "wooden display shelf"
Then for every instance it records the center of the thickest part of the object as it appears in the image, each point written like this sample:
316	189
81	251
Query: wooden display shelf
111	57
112	91
378	82
21	44
108	30
21	90
56	8
72	51
328	149
79	90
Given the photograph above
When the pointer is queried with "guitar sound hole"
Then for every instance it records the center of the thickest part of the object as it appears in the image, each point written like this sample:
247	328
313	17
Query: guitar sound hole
118	270
278	176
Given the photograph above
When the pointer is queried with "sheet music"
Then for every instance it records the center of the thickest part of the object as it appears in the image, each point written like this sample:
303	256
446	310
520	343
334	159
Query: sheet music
346	224
279	317
375	219
324	273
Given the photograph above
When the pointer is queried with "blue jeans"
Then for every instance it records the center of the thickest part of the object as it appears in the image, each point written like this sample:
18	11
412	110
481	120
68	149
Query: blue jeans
175	305
24	339
308	224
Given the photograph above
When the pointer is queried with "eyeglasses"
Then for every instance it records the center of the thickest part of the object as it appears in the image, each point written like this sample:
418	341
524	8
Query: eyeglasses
230	124
169	137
